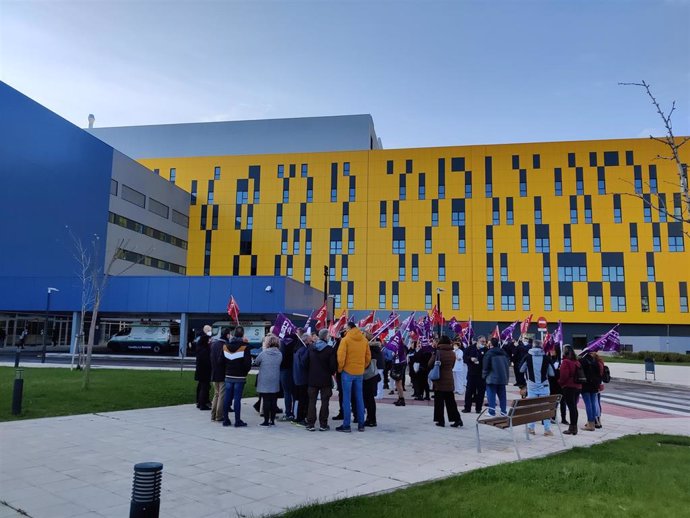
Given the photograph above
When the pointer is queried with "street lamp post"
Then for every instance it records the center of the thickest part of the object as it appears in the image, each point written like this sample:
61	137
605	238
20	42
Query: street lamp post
45	324
326	272
438	306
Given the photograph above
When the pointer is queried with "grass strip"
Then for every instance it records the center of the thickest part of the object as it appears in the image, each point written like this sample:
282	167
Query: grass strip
58	392
635	476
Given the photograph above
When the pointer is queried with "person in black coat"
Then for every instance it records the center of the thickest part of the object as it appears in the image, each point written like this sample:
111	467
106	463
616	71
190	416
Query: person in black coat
476	386
519	354
218	374
202	373
370	383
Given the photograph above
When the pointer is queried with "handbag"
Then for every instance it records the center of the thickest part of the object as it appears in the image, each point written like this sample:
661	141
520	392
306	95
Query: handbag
435	372
396	371
371	370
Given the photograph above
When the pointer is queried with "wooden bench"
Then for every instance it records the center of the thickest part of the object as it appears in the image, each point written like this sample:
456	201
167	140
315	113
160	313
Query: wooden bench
521	411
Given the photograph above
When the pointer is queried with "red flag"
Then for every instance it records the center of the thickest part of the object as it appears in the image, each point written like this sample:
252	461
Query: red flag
525	325
436	317
320	316
234	310
496	334
368	320
334	330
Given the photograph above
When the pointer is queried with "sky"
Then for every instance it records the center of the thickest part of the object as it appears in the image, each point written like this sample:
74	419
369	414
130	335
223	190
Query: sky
431	73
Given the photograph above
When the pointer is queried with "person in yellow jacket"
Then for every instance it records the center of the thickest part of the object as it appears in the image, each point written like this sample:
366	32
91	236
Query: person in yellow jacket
354	357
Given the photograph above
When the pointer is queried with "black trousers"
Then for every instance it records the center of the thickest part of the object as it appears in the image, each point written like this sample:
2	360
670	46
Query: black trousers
325	393
202	391
301	396
421	383
369	390
571	395
386	369
476	386
270	404
446	398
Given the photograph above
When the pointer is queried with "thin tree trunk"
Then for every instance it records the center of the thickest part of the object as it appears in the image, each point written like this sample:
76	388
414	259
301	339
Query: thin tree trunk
89	345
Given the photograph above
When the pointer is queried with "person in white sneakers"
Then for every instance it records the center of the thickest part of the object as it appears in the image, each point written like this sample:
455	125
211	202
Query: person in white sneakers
459	370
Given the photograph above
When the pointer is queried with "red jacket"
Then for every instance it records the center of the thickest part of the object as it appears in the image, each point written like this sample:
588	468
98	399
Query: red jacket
568	377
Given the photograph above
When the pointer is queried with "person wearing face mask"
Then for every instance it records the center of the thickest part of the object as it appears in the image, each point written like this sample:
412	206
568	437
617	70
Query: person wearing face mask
459	370
474	358
519	354
202	373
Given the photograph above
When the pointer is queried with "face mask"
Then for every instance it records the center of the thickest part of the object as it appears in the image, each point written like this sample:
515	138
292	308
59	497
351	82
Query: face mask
525	342
209	333
483	346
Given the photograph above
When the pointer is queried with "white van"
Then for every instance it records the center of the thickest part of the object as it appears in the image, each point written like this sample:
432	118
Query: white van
157	337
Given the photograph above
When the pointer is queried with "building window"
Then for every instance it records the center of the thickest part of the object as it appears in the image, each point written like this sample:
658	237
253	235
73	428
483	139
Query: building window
612	273
525	303
656	237
382	295
132	196
633	237
281	171
596	244
382	214
683	289
353	189
193	193
508	302
346	168
542	245
596	303
523	183
173	174
547	273
422	186
427	240
334	195
601	180
434	213
496	211
468	184
490	302
524	245
675	237
547	302
537	210
509	211
389	167
588	209
442	267
579	182
455	300
457	215
617	212
652	179
351	241
558	181
216	173
489	273
573	210
402	192
305	170
415	267
572	273
462	242
565	303
113	187
617	304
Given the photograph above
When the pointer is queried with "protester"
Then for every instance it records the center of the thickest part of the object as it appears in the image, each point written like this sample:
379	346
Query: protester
353	357
388	365
459	370
268	379
519	354
571	387
590	389
322	364
238	362
287	346
380	367
554	386
420	364
602	368
218	374
371	378
474	358
397	373
443	387
496	368
537	369
299	377
202	372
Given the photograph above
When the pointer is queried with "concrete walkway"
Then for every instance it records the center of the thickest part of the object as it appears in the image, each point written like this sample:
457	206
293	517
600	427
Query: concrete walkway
81	466
665	374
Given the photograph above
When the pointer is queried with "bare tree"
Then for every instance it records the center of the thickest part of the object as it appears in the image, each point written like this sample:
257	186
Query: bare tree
673	145
93	275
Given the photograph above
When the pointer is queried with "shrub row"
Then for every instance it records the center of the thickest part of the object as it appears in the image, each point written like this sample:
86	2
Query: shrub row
657	356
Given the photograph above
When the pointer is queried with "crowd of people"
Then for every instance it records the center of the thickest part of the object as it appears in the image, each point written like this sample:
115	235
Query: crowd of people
304	368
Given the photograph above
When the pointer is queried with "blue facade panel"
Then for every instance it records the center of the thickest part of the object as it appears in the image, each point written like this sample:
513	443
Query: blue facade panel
54	176
170	295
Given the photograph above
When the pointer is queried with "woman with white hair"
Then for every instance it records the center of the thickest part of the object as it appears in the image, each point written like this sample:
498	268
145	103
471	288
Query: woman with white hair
268	379
459	370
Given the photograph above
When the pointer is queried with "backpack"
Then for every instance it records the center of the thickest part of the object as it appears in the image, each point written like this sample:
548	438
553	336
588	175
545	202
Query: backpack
591	369
607	374
580	374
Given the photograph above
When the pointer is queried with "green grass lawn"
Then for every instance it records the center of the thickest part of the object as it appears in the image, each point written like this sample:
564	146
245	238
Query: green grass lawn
636	476
54	392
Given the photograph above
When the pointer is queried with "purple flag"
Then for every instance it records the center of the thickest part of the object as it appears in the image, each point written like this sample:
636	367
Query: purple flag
468	334
395	344
283	326
608	342
405	326
558	334
507	333
426	326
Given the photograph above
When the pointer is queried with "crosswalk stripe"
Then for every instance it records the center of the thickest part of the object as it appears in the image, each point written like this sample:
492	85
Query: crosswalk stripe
644	401
684	402
652	407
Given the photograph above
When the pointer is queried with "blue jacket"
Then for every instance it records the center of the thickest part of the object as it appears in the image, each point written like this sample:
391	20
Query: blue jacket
537	368
495	366
300	364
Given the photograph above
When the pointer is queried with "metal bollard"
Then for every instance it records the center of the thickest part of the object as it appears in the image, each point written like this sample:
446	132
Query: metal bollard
17	357
146	490
17	392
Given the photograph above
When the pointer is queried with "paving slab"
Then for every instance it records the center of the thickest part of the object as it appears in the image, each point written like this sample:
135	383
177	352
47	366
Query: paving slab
82	465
